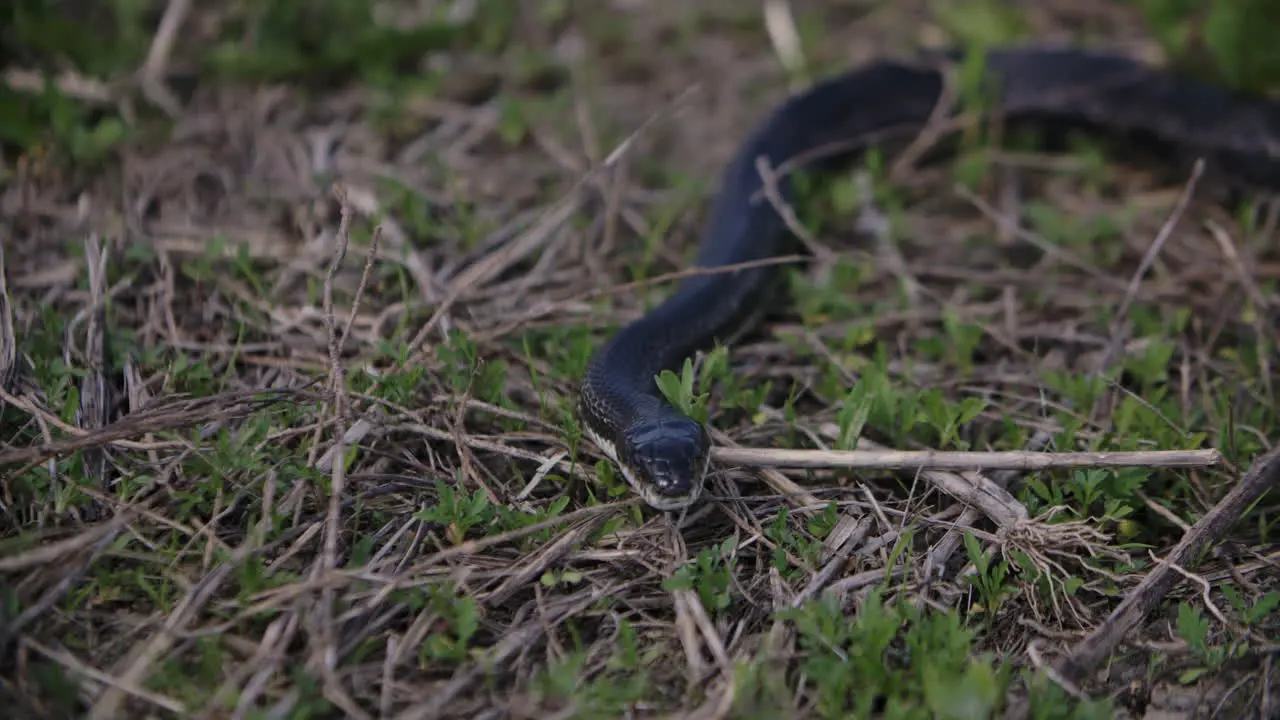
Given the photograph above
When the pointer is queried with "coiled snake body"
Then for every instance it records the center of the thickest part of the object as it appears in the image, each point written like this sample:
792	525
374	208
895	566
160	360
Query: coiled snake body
662	453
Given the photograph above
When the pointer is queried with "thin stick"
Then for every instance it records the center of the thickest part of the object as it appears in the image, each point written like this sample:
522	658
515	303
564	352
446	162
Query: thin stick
779	22
153	69
947	460
68	83
1149	259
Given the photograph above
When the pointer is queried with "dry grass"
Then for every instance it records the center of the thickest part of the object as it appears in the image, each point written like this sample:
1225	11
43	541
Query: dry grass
332	433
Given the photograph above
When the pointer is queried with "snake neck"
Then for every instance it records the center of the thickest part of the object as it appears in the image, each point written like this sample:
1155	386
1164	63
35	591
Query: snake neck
743	225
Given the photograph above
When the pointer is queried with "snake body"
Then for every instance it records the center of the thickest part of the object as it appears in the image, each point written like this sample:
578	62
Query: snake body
663	454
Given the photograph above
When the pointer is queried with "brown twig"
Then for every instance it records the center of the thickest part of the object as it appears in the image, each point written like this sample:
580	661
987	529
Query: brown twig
8	341
957	460
153	68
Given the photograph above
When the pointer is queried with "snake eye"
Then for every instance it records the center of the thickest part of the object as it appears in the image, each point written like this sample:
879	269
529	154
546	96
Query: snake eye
669	454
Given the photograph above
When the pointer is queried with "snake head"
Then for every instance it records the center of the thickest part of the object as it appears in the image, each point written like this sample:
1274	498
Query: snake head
668	457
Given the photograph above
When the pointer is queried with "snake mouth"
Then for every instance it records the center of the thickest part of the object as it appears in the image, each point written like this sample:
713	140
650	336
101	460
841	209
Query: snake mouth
658	501
647	492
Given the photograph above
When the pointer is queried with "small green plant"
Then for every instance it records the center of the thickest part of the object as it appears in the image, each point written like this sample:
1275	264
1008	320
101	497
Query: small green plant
710	574
459	511
678	389
989	579
912	663
459	621
1193	628
853	414
793	542
470	371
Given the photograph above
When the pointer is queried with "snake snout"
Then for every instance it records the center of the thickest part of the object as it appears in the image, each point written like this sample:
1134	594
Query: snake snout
669	454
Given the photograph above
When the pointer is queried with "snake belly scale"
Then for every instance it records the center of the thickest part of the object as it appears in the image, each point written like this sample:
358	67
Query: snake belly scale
663	454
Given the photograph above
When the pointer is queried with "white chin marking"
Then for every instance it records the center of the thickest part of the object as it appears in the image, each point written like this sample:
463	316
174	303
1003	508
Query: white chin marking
651	497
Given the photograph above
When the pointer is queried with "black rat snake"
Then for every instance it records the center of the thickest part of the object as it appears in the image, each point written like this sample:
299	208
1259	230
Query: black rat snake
662	453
